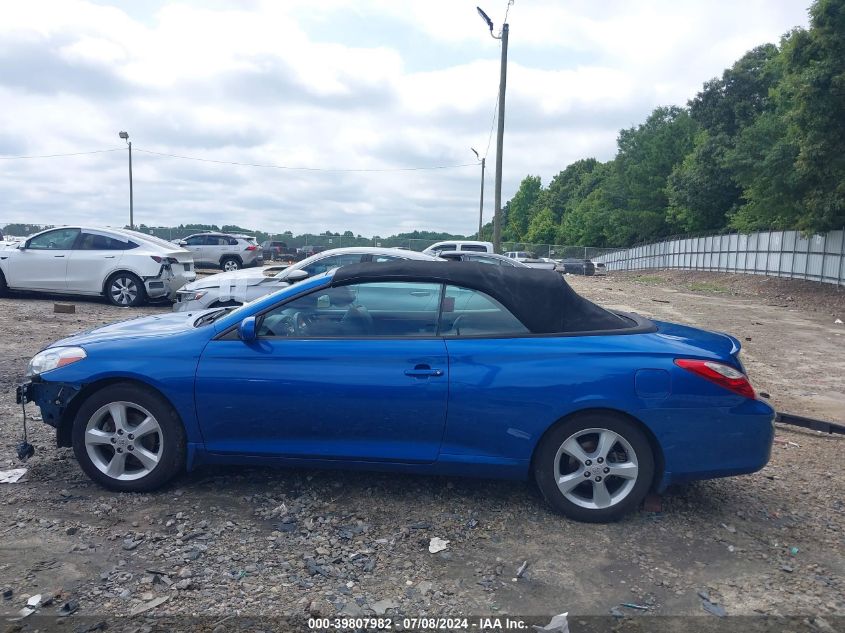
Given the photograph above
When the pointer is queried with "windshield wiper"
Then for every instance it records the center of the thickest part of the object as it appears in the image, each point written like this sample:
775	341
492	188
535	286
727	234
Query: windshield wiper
211	317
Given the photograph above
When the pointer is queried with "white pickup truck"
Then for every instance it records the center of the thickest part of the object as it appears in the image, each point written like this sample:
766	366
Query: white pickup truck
528	259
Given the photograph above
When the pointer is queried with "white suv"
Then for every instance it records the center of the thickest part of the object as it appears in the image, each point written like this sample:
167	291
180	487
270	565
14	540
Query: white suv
229	252
125	266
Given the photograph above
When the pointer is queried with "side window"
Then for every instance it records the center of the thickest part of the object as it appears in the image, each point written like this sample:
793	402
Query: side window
393	309
58	240
95	242
197	240
444	247
475	248
488	260
380	259
330	263
472	313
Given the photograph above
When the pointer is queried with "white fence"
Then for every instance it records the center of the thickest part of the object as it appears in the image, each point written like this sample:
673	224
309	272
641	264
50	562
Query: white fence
773	253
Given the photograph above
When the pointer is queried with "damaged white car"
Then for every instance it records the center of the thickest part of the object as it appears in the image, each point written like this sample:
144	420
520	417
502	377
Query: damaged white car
126	267
242	286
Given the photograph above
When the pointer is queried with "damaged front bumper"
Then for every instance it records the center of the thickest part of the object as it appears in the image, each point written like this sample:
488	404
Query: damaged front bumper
53	398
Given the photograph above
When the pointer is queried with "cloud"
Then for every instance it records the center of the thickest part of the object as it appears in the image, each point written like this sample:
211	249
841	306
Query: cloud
369	84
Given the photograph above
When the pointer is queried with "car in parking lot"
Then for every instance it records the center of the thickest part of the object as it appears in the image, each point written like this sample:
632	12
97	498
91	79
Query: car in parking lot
411	367
481	258
240	286
575	266
125	266
221	250
277	251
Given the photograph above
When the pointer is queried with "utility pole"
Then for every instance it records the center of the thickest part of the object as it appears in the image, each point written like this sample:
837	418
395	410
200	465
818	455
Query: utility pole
481	197
497	203
125	137
503	76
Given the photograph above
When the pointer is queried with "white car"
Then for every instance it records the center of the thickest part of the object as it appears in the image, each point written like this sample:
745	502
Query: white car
241	286
459	245
125	266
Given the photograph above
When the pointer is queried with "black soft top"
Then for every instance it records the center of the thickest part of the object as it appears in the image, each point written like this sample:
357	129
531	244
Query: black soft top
541	299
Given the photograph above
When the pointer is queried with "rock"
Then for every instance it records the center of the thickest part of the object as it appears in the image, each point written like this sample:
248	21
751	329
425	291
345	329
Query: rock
424	587
183	584
437	544
352	608
382	606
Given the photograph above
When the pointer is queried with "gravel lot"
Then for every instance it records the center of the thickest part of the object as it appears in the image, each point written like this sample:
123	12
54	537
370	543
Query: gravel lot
250	541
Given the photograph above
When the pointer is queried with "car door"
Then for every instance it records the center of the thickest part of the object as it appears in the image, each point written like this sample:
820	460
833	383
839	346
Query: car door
195	244
348	373
95	254
42	263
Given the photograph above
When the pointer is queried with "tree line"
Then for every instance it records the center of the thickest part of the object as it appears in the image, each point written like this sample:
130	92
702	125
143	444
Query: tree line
761	147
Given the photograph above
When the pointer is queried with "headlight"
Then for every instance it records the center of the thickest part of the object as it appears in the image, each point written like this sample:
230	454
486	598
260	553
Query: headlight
53	358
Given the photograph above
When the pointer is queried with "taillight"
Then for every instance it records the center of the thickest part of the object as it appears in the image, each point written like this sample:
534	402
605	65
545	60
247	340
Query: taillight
155	258
723	375
252	248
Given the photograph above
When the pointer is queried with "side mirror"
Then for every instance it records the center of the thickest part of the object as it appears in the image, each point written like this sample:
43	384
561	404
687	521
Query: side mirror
22	246
246	330
296	275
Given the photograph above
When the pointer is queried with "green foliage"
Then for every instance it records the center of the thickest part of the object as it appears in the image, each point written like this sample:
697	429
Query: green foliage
762	146
23	230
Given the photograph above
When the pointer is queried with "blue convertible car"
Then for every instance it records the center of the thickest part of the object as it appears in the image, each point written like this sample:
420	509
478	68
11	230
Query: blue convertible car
423	367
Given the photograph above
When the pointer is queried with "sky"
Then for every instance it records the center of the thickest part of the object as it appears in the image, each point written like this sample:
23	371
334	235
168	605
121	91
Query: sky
334	86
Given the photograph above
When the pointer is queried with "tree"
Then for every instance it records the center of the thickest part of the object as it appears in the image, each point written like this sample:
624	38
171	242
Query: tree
649	152
701	190
521	207
543	228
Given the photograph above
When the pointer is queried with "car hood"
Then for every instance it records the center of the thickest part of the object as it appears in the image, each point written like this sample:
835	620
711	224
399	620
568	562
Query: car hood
143	327
244	276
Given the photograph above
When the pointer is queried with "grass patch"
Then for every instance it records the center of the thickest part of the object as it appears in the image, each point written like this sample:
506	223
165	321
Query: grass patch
707	286
649	279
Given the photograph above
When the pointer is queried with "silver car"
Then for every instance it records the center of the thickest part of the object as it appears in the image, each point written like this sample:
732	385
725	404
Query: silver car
241	286
221	250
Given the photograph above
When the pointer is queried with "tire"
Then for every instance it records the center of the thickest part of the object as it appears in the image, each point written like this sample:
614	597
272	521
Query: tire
125	290
602	496
4	288
230	263
103	431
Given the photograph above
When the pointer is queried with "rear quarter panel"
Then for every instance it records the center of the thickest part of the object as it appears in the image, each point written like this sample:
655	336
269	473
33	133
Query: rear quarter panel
506	393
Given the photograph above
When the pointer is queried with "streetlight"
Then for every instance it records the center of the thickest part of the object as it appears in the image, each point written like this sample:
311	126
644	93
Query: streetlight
125	137
503	75
481	201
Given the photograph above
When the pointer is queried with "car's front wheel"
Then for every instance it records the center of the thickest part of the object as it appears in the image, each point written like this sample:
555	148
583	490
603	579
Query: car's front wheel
125	290
594	467
229	264
128	438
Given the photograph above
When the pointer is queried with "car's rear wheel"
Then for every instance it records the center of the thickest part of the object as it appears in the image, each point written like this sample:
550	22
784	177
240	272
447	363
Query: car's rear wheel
594	467
229	264
125	290
128	438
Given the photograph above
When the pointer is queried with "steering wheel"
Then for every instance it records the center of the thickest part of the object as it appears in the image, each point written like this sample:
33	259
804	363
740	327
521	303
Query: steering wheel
456	324
300	324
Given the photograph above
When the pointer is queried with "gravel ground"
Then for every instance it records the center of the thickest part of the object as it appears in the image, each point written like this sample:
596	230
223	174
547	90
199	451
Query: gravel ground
249	541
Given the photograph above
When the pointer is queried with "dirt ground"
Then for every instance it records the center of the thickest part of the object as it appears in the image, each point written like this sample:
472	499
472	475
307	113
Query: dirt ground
225	541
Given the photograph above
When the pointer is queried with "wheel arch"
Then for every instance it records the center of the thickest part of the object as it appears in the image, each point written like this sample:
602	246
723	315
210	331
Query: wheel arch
236	257
121	269
656	449
64	431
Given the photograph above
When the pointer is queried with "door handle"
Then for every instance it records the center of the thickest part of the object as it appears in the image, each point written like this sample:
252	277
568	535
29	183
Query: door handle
108	257
423	371
58	255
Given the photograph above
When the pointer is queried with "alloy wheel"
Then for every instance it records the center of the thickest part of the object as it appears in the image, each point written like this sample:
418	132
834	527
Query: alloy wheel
230	264
124	291
124	441
596	468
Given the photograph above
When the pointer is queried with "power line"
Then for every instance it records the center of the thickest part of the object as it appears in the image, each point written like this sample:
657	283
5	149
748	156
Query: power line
290	168
96	151
492	124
